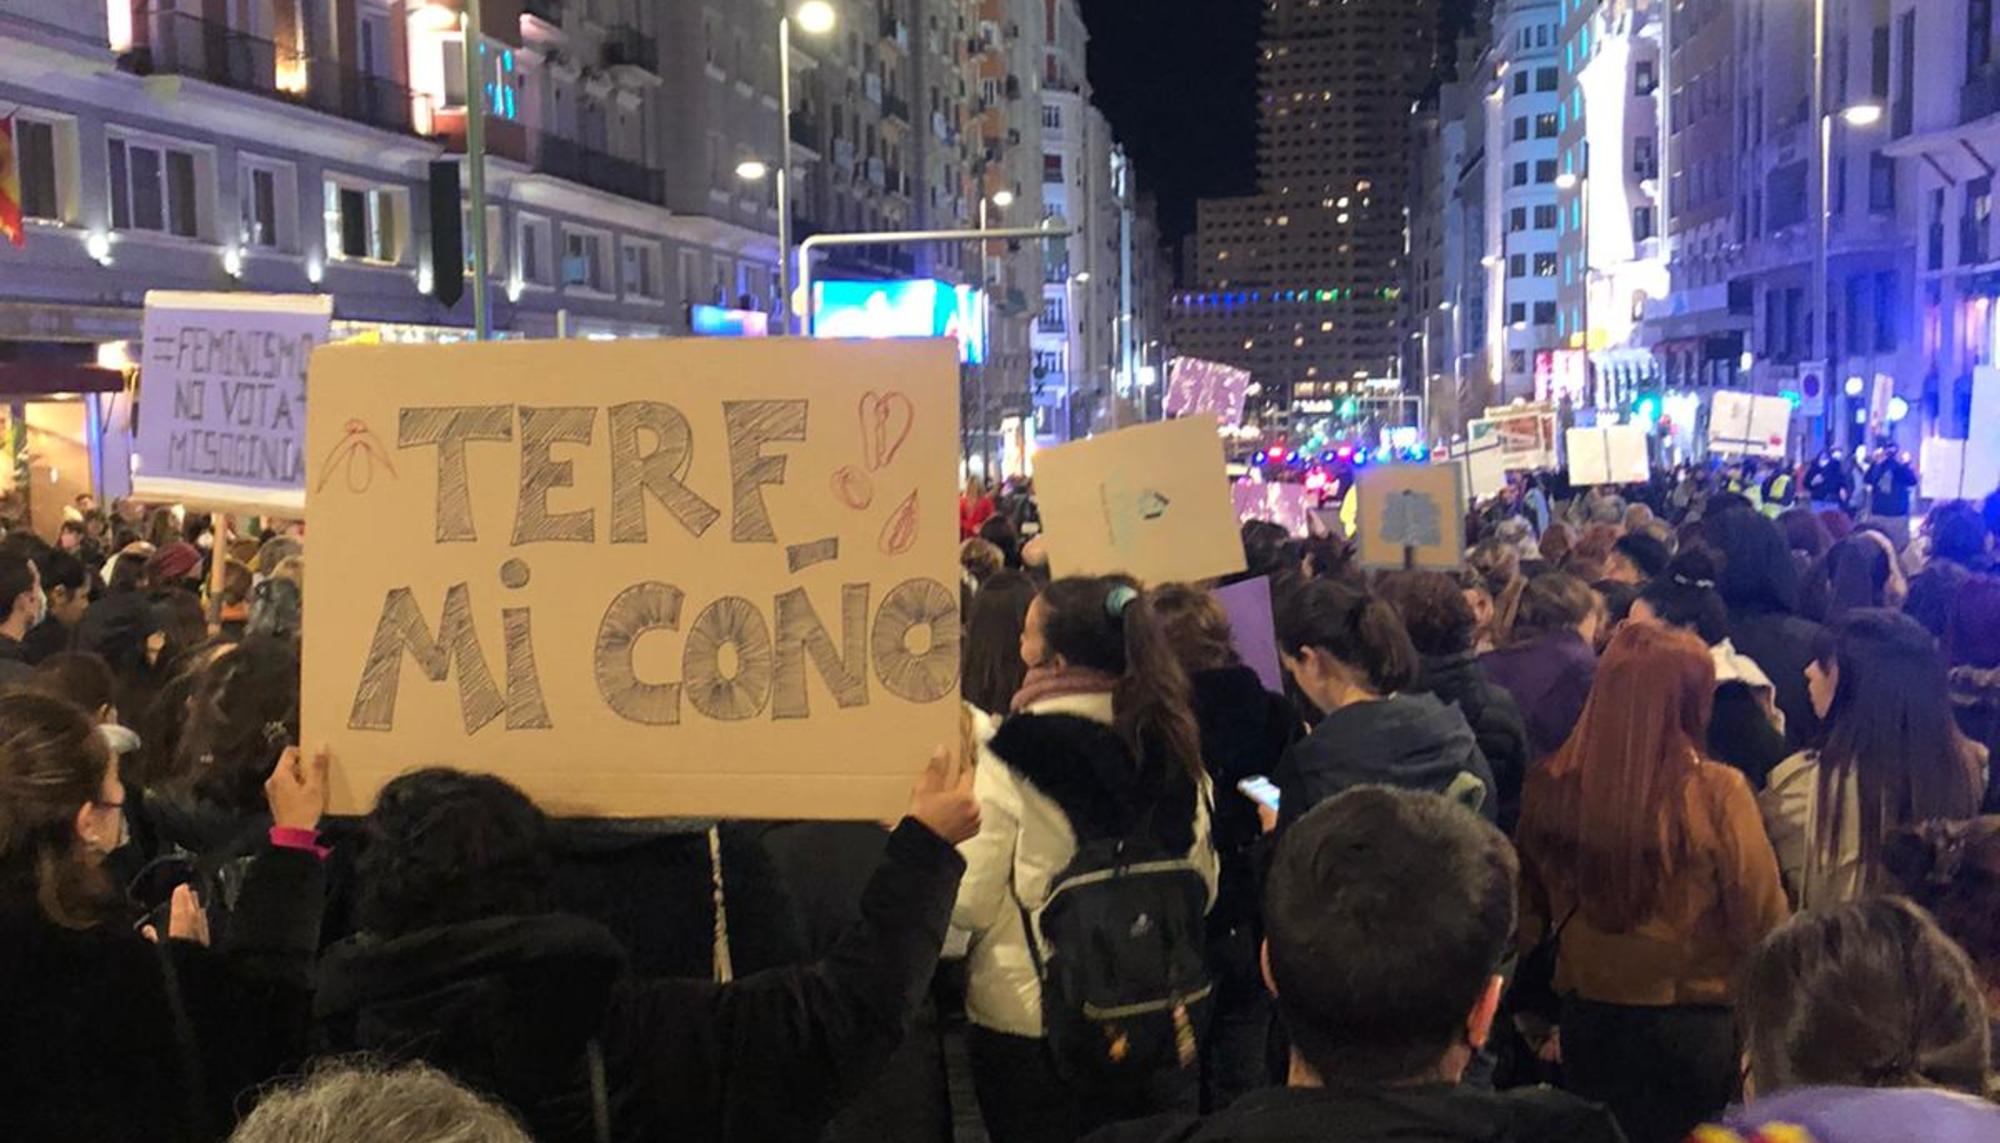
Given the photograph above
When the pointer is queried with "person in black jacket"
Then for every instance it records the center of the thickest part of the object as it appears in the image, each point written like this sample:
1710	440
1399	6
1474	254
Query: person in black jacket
1349	654
1759	584
461	963
1245	731
1441	625
107	1036
1389	914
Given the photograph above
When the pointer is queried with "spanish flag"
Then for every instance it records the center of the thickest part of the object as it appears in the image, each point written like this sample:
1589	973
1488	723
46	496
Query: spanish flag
10	186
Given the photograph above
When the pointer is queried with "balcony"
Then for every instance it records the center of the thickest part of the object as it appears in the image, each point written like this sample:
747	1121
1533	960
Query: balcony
560	157
213	52
895	31
629	47
896	181
895	107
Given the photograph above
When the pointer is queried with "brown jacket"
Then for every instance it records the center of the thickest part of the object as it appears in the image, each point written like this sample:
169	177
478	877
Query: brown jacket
1711	912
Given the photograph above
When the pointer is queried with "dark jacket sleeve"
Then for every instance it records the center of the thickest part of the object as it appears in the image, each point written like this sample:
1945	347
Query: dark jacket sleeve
775	1053
1503	738
1741	735
249	1002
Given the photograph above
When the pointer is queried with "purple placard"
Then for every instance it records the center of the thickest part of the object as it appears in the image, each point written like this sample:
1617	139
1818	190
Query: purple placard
1252	629
1198	386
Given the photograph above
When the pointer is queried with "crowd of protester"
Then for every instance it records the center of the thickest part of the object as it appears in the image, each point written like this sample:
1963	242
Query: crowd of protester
1660	820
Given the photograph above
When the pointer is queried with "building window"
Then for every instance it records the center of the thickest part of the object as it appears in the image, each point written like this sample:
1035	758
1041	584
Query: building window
1055	315
494	239
1906	78
1517	313
639	268
1546	216
1546	126
1517	265
1520	174
1545	313
1881	183
1975	226
1885	312
363	223
533	246
153	188
1545	265
1051	117
1545	171
1643	80
1546	79
257	193
1521	83
1520	128
35	158
1052	168
583	261
1645	157
1978	35
1517	219
1642	223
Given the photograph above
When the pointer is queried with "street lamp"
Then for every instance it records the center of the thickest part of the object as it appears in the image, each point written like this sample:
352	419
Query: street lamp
754	170
1566	181
816	18
1862	114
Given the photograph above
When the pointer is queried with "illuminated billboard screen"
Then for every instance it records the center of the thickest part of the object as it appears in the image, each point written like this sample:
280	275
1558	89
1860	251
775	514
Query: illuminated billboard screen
715	321
912	308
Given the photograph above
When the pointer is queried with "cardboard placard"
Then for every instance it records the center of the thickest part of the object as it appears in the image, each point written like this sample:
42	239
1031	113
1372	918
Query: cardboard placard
1615	454
1151	501
1253	629
222	398
1982	453
1527	439
1198	386
1280	502
1484	461
1411	516
1941	469
637	578
1744	424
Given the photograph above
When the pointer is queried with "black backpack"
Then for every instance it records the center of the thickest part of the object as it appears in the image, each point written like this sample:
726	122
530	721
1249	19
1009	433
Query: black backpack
1125	986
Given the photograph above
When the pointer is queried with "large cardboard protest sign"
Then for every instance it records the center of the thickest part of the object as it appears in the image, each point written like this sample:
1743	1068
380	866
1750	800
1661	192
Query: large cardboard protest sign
1151	501
1941	470
637	578
1526	434
1615	454
1967	469
1483	459
222	398
1411	516
1198	386
1744	424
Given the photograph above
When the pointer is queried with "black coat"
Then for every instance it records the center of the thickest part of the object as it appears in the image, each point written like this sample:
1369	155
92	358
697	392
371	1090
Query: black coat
1245	731
1782	644
1495	718
1411	742
1740	734
1356	1114
512	1005
93	1052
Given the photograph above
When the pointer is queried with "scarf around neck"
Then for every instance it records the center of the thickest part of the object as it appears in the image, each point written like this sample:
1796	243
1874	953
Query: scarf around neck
1044	683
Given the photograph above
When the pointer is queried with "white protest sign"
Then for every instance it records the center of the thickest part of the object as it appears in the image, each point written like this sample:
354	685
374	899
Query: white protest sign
1745	424
222	398
1615	454
1941	469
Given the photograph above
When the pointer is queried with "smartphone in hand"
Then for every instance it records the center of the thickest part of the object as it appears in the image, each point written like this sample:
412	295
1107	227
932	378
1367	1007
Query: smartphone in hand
1260	790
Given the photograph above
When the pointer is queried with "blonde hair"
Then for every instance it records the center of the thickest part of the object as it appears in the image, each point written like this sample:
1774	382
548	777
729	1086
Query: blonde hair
359	1101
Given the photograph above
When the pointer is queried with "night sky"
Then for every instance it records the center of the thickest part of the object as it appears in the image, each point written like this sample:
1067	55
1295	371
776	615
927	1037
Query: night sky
1178	80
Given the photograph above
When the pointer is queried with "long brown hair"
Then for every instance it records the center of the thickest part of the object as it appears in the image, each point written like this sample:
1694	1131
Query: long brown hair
52	763
1604	815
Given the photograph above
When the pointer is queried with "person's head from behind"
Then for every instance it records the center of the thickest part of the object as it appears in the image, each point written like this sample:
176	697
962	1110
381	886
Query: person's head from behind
1758	573
80	678
1868	994
277	550
277	608
1196	627
1958	533
979	560
999	531
1342	645
1264	547
1613	790
67	583
1614	606
1972	627
61	810
1554	603
244	714
1106	625
363	1102
177	626
1387	913
1857	574
1880	686
1805	533
1636	558
1435	612
1498	564
22	601
991	670
1685	597
443	847
1952	869
1558	543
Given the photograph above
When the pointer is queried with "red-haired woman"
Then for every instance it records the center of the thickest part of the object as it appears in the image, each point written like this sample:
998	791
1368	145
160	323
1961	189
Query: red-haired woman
1651	863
